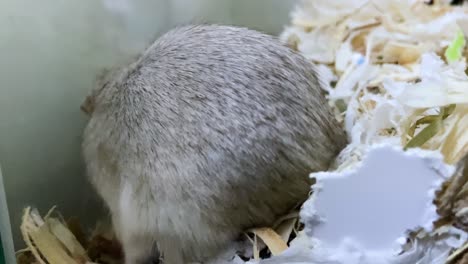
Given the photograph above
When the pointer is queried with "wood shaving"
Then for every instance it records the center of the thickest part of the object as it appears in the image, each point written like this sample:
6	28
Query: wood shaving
50	240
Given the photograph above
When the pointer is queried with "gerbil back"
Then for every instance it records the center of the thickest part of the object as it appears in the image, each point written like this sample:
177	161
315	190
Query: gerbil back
215	129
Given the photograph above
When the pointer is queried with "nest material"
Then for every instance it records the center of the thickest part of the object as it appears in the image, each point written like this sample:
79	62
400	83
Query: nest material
395	72
452	201
52	240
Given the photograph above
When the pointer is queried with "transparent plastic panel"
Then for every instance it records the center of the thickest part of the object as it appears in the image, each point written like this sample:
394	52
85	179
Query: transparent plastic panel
6	241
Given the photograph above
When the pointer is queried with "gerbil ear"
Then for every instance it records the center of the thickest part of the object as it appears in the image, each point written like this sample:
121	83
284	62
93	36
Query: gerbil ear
101	80
88	105
102	77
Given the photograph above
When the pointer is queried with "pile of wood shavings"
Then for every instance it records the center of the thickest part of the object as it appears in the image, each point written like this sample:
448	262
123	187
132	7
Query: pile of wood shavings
395	72
52	240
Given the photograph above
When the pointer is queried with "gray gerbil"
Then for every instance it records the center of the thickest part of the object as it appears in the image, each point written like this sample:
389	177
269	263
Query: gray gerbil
212	130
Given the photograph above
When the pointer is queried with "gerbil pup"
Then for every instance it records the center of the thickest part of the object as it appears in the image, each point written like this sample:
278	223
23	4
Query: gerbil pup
212	130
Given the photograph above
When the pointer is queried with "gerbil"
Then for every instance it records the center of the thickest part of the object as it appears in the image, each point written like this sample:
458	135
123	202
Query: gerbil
212	130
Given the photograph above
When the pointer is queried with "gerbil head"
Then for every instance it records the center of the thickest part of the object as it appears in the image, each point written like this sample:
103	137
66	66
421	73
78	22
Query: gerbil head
87	106
104	79
101	80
